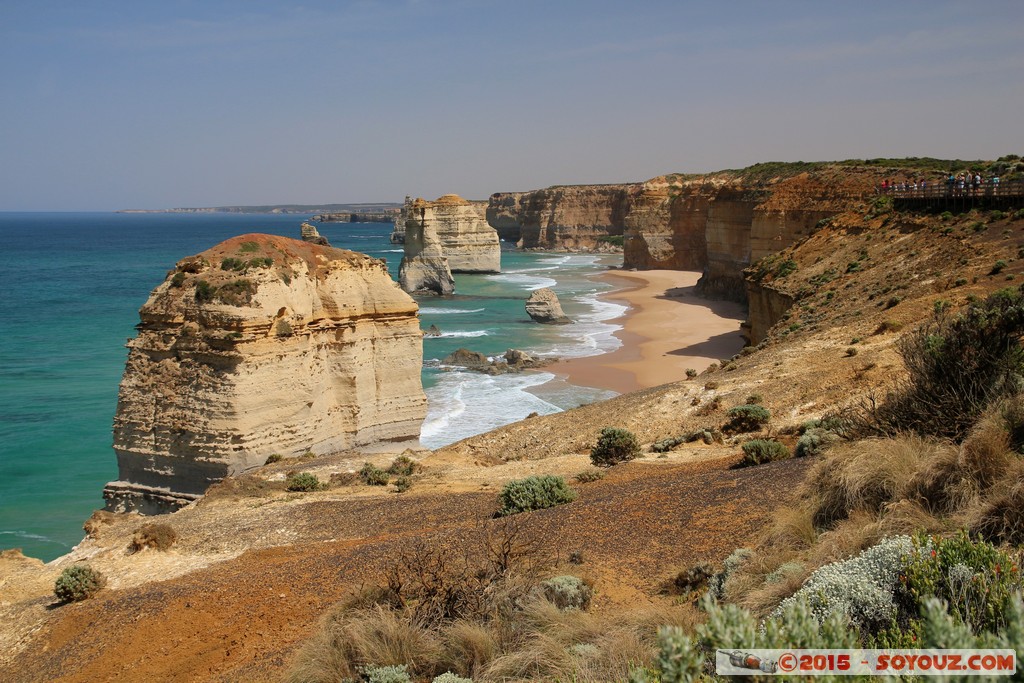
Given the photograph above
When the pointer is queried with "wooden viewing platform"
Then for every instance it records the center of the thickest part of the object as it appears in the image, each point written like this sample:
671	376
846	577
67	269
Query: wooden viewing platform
943	196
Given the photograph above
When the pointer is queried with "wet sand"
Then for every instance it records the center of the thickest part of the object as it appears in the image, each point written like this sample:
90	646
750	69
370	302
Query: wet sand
666	330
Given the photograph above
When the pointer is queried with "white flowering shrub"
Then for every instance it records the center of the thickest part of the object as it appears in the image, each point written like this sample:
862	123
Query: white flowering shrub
449	677
861	587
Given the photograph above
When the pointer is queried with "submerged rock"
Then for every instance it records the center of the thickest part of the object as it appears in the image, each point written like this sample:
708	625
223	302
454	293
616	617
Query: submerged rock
432	331
543	306
262	345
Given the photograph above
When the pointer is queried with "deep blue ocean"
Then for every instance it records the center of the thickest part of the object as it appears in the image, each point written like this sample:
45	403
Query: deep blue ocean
71	285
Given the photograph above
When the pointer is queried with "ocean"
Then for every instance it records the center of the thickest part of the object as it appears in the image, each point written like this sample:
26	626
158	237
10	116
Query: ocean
71	285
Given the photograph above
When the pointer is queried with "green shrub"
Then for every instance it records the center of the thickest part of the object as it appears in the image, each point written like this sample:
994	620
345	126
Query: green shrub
204	291
997	215
746	418
403	484
178	279
283	328
404	466
273	457
997	267
232	264
716	584
690	373
614	240
236	293
755	399
851	351
78	582
248	247
956	365
945	215
374	476
974	578
567	592
614	446
785	268
534	493
303	481
760	451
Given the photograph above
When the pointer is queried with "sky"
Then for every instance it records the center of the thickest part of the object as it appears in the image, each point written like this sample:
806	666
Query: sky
107	105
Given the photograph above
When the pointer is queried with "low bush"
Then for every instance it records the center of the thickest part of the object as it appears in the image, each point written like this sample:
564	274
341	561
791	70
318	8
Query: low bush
814	441
449	677
204	291
273	457
303	481
403	466
567	592
154	535
997	267
78	582
587	476
373	475
236	293
760	451
534	493
398	673
690	373
614	446
746	418
403	484
178	280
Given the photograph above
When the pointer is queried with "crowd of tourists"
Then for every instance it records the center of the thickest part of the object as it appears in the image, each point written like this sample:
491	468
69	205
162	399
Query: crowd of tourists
964	183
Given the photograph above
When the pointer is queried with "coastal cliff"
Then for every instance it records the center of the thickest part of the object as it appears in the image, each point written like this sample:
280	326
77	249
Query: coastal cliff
262	345
561	217
470	245
718	223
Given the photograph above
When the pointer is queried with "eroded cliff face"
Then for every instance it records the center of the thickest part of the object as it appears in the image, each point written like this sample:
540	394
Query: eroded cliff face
561	217
257	346
719	223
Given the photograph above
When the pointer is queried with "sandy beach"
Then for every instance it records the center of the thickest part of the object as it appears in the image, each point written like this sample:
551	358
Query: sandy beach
666	330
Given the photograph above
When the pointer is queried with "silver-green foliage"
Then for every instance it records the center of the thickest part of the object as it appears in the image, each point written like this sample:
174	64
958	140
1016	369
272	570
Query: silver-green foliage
861	587
567	592
78	582
449	677
814	441
385	674
716	584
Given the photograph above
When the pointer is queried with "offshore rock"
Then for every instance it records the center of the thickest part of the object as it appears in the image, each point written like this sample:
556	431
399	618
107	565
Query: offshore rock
467	241
262	345
424	267
398	226
310	234
543	306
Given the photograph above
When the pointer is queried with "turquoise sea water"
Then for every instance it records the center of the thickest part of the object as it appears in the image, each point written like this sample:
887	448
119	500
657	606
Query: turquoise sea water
71	285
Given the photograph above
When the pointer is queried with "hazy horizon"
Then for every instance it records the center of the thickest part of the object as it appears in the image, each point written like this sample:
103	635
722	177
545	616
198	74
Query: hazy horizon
116	105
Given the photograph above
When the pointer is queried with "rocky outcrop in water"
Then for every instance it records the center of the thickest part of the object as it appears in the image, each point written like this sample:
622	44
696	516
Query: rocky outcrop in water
543	306
424	268
513	361
310	234
466	240
398	227
262	345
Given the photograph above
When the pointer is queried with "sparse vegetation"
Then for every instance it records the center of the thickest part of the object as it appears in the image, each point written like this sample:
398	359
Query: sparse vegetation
153	535
690	373
78	582
587	476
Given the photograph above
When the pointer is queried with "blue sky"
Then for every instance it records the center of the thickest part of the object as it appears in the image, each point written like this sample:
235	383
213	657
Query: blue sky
109	105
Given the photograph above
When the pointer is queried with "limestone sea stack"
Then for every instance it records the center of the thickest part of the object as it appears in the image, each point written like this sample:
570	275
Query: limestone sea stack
310	234
543	306
470	244
424	267
262	345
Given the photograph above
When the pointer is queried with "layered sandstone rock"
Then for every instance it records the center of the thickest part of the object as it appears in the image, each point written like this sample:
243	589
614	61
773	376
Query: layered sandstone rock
561	217
424	268
257	346
544	307
469	244
398	227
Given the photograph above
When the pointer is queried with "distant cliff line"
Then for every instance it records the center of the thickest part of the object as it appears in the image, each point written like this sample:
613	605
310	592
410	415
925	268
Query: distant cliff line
378	208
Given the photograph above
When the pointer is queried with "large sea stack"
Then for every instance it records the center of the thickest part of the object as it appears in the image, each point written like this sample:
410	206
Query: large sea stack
262	345
424	268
